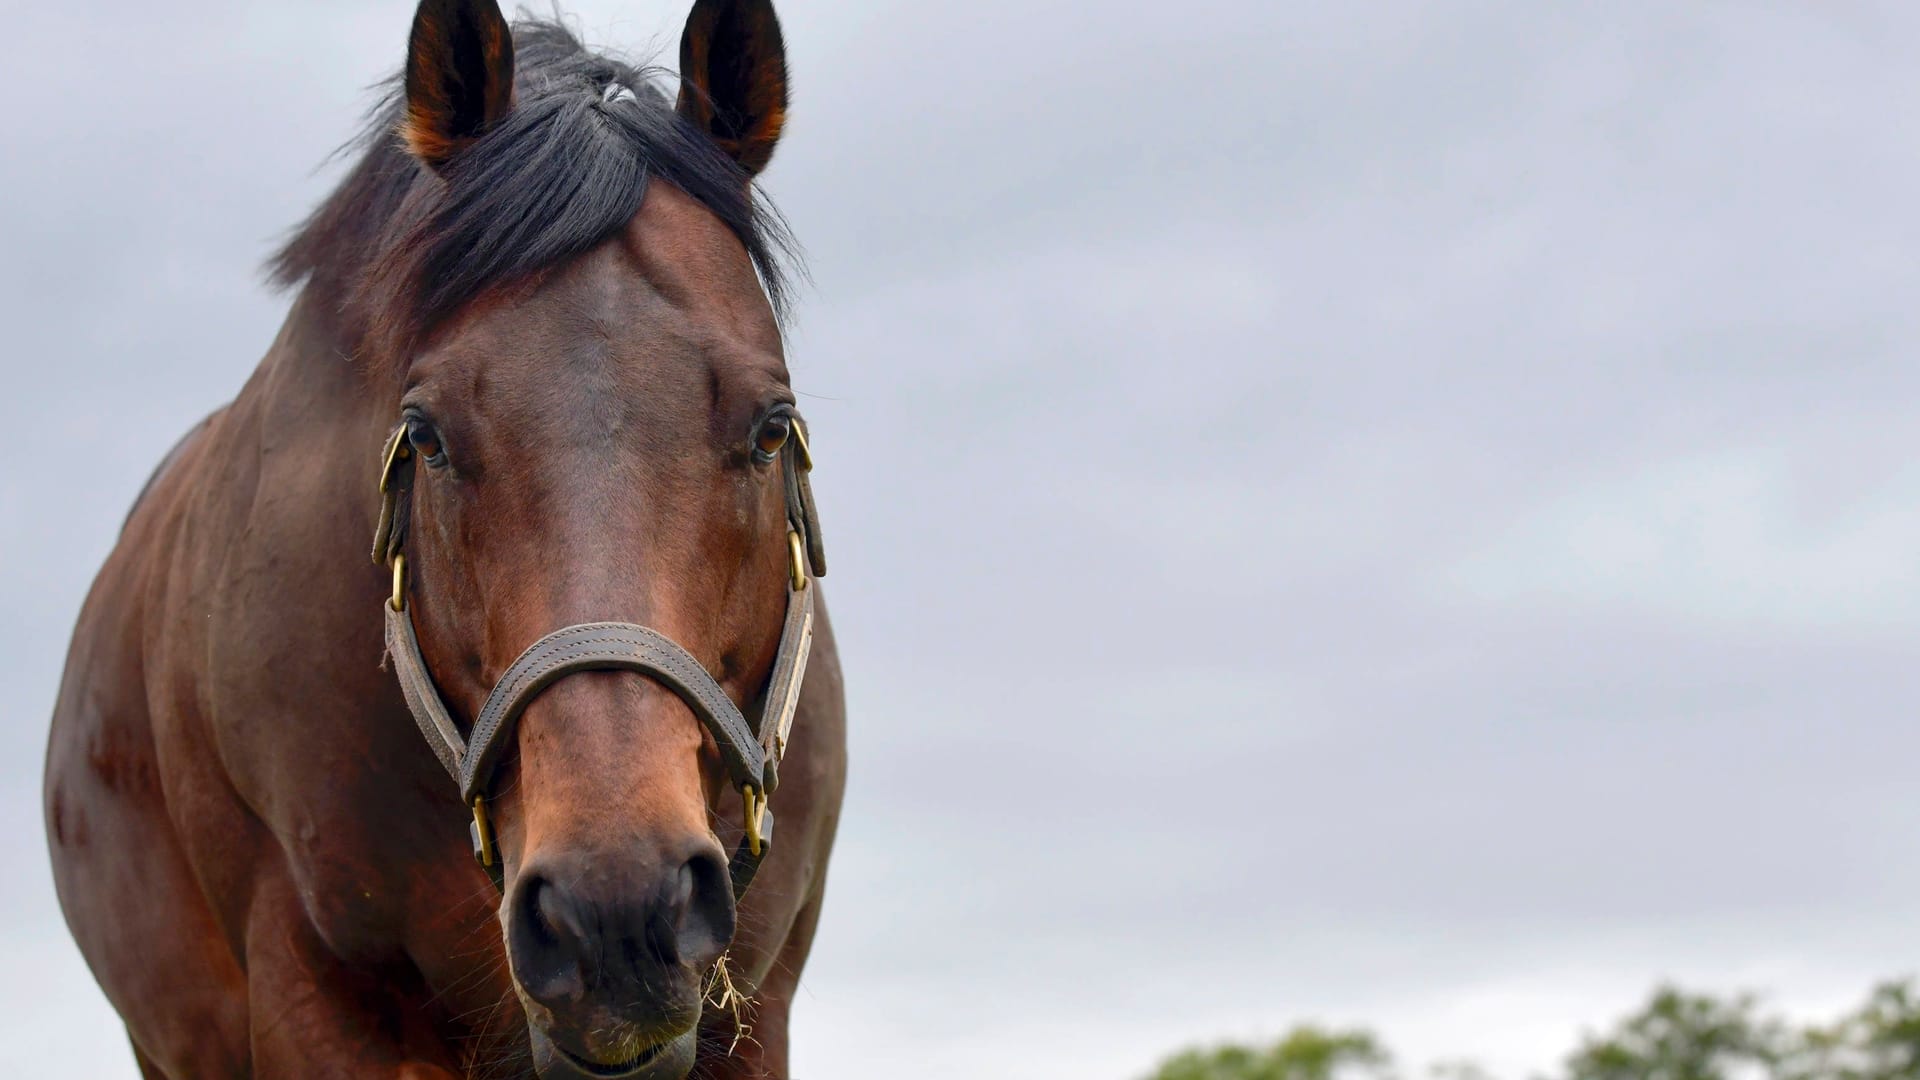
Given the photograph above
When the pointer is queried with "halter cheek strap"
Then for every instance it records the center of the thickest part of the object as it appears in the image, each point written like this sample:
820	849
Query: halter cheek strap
751	751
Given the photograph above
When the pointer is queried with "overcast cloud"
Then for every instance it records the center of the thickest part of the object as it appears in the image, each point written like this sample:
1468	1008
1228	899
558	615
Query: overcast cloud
1396	512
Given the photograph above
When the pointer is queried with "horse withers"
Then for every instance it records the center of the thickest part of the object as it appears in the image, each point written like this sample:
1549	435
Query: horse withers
500	801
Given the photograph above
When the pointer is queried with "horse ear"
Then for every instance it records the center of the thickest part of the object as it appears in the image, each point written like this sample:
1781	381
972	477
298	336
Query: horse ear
733	77
459	76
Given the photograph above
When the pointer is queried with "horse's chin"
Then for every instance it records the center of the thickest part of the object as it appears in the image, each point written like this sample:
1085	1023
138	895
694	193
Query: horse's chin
670	1060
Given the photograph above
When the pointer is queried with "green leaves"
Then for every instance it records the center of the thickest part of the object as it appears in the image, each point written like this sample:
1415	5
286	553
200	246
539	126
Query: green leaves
1307	1053
1675	1036
1680	1036
1881	1041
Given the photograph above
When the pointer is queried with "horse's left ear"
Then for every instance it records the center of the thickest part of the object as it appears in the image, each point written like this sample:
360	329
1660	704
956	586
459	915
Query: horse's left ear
733	77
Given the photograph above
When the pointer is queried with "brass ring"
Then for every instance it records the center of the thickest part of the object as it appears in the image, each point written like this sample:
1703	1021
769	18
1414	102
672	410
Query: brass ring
796	561
398	601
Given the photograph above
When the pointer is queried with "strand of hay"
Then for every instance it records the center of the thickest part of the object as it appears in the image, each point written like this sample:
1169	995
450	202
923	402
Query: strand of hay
730	998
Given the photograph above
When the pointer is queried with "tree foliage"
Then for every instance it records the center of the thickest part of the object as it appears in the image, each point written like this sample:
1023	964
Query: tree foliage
1676	1035
1306	1053
1680	1036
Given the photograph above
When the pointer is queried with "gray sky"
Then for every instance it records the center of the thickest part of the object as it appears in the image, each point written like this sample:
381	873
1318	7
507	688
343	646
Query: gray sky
1398	512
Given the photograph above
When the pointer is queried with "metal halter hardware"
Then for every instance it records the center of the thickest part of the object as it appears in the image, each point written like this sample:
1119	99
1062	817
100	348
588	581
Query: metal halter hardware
751	751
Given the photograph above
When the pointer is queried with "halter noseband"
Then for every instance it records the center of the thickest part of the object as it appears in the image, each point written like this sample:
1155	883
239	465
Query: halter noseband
751	751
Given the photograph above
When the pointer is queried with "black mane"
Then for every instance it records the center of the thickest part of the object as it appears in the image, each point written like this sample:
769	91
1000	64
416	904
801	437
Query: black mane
398	248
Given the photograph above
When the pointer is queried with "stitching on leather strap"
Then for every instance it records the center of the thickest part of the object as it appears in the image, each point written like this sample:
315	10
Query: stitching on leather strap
423	698
603	647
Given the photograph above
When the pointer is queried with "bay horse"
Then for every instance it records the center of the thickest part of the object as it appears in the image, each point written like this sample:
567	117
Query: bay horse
466	809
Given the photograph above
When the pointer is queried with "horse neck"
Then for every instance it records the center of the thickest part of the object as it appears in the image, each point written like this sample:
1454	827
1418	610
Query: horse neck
279	533
279	626
297	452
311	396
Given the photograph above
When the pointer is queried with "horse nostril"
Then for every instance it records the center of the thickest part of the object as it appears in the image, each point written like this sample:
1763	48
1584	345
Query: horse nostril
541	926
545	939
665	919
705	905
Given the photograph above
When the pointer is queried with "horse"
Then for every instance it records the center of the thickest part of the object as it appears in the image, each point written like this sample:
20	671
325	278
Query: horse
498	801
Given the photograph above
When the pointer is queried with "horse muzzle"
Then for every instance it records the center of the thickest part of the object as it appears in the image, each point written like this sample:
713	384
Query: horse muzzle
612	970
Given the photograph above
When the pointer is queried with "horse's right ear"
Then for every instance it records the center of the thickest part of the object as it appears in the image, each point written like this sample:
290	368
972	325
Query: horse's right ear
459	76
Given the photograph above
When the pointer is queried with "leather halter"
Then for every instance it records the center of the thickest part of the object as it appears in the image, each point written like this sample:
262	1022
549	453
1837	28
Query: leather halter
751	750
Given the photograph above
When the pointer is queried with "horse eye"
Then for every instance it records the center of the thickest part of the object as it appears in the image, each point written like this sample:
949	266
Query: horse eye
772	437
425	441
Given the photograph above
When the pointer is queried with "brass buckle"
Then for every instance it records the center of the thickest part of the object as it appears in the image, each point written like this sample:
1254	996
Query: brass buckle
482	834
755	802
796	561
800	444
396	452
